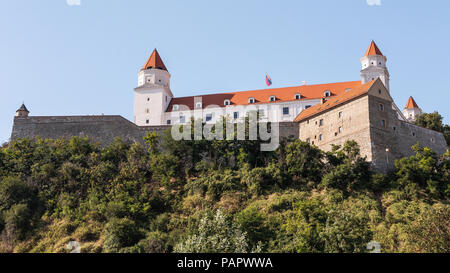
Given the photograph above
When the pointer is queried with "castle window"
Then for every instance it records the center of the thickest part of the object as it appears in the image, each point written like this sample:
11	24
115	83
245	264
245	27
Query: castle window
327	93
340	114
251	100
413	134
198	105
236	115
313	143
383	123
320	137
308	140
166	98
226	102
285	110
379	91
147	121
298	96
147	110
381	107
321	122
432	140
208	117
182	119
335	134
168	122
340	130
148	99
395	128
175	107
272	98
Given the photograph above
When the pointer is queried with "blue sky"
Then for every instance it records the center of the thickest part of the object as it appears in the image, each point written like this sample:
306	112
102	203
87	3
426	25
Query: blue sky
79	60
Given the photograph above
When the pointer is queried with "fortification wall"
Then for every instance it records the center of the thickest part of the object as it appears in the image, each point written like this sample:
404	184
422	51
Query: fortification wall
395	139
101	129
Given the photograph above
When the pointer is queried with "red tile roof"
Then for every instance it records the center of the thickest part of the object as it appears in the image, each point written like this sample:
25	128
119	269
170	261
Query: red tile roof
154	61
285	94
334	101
373	50
411	103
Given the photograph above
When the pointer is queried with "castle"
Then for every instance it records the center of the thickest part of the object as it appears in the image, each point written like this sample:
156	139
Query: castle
322	114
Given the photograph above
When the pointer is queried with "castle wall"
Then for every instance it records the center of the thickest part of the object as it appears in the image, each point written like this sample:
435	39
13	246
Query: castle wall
353	121
101	129
396	138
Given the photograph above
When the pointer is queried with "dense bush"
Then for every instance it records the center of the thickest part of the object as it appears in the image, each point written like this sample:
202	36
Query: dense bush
217	196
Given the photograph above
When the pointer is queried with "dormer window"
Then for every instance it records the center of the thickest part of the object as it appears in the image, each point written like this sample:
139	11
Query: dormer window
175	107
251	100
298	96
272	98
226	102
327	93
198	105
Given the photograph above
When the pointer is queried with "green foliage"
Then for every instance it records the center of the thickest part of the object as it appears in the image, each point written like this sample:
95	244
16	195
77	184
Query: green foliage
217	196
214	233
433	121
120	233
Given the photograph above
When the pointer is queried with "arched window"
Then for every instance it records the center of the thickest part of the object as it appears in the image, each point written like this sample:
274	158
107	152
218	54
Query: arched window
327	93
272	98
198	105
226	102
251	100
298	96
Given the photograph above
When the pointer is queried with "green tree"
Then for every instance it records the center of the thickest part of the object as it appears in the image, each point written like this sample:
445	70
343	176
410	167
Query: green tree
214	233
433	121
120	233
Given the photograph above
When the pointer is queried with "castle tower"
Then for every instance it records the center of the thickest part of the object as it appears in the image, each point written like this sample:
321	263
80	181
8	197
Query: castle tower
412	110
153	94
374	66
22	111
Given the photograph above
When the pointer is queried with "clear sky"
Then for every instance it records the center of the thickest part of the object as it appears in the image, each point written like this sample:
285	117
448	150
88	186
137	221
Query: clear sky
83	59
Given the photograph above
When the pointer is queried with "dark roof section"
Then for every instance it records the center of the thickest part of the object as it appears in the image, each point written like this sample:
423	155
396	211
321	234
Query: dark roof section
23	108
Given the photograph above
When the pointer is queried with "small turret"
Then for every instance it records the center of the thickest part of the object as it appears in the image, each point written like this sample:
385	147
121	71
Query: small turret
412	110
22	111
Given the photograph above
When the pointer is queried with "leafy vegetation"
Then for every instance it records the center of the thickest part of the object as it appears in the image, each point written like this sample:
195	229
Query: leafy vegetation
217	196
433	121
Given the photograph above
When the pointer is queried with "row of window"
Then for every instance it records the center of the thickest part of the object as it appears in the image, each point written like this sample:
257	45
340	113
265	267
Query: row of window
321	135
251	100
208	117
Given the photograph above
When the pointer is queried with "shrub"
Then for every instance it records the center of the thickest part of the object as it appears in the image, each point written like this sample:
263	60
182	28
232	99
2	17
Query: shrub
120	233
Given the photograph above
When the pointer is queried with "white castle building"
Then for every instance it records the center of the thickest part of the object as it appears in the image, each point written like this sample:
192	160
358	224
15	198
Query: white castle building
155	104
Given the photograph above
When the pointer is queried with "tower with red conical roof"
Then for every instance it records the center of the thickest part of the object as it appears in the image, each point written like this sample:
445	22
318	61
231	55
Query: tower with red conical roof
412	110
374	66
153	94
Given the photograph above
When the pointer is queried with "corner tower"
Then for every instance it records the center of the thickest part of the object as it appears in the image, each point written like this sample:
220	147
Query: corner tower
153	94
374	66
412	110
22	111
